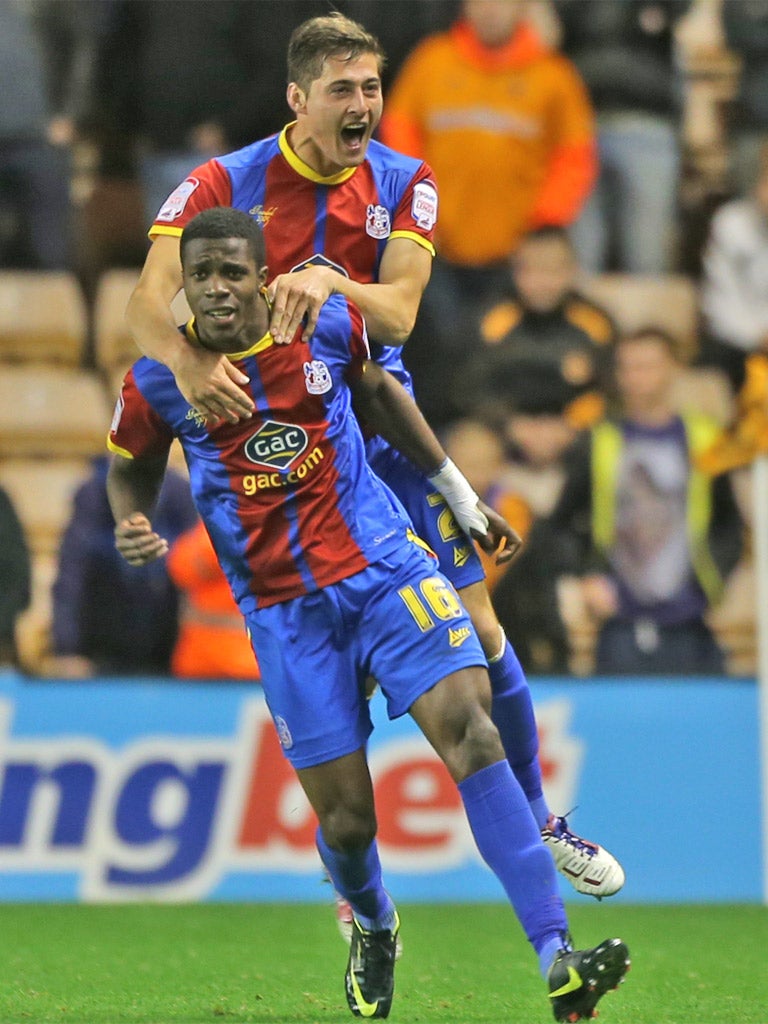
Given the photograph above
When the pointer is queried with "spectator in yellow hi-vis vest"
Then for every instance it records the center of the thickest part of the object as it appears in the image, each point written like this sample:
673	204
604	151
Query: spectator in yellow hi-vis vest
651	537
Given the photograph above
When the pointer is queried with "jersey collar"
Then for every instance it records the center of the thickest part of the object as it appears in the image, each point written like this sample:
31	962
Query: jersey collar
263	343
304	169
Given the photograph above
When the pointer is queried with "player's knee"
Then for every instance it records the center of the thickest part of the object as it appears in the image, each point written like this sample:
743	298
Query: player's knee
346	829
478	747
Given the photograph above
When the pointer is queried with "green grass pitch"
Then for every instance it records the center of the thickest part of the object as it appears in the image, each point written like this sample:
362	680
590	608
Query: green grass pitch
466	964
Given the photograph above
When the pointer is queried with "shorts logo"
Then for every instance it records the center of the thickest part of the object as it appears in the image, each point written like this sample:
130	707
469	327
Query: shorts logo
283	733
276	445
424	205
377	223
173	206
456	637
318	260
317	377
461	555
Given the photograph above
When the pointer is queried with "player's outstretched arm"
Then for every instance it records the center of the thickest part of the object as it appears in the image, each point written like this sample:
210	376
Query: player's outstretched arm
133	486
208	380
389	305
387	407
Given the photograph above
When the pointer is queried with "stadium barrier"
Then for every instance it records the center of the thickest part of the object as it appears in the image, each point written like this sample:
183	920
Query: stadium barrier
147	789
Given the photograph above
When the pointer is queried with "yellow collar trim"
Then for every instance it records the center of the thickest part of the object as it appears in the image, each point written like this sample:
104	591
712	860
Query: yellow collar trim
304	169
259	346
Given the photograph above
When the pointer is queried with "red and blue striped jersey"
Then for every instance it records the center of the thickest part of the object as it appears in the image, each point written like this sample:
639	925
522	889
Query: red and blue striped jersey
343	221
287	497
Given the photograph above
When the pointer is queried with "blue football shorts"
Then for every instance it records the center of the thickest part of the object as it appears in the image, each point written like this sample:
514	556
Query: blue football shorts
432	520
399	620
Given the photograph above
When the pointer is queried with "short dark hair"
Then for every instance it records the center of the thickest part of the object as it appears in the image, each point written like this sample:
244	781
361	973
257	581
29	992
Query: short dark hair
652	332
225	222
329	35
548	233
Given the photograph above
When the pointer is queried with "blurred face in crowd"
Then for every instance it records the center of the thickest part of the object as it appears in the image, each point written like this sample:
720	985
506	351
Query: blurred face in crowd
544	270
337	115
493	21
478	450
542	439
644	369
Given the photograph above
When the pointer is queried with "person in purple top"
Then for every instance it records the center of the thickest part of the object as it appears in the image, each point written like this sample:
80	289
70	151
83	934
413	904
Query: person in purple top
652	538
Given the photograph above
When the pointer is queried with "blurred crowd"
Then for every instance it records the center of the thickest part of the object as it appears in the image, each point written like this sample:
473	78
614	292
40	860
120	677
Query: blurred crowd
598	304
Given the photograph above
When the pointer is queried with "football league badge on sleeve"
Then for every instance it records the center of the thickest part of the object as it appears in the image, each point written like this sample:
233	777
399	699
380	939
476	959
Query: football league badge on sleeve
173	206
424	205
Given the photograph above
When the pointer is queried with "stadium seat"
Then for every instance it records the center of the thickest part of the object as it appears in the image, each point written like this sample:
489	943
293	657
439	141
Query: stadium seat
43	317
114	346
42	491
52	411
664	300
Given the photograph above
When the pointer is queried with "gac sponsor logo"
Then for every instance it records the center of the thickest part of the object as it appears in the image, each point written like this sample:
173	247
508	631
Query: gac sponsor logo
276	445
254	482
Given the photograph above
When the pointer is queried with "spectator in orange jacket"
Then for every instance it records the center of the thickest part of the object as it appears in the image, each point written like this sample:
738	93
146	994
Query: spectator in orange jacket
507	127
212	642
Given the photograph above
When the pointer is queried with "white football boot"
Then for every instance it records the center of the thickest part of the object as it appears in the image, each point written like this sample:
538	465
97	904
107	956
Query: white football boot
590	868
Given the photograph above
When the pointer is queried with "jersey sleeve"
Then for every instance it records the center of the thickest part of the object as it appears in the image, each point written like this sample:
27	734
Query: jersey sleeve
136	430
340	339
416	213
208	185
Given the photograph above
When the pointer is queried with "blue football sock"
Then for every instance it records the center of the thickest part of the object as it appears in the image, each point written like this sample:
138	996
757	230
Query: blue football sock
510	843
357	877
549	951
512	714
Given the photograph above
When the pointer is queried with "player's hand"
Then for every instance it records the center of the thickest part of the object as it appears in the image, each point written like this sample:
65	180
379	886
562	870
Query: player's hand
137	542
499	537
212	385
297	299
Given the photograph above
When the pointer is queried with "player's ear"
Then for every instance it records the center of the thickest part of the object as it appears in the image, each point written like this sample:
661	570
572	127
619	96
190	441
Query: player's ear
263	275
297	98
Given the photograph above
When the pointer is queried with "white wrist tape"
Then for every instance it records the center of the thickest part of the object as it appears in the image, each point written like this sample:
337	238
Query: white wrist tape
462	500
